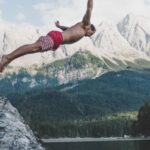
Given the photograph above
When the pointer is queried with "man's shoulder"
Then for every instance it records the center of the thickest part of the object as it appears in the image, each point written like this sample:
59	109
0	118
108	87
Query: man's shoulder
81	24
84	25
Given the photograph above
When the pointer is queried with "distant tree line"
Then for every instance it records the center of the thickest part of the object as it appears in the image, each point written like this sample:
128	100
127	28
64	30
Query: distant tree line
143	122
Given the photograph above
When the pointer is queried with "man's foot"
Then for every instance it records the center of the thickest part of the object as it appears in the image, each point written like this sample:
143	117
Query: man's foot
3	62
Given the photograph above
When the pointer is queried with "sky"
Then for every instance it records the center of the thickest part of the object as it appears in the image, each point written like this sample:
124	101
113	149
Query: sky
68	12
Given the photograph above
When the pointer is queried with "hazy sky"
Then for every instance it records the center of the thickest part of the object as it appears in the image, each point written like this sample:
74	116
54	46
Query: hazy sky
45	12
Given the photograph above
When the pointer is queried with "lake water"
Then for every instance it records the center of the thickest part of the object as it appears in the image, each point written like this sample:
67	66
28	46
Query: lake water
100	145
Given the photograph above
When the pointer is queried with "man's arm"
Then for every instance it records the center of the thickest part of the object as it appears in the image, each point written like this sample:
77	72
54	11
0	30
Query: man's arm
60	27
87	16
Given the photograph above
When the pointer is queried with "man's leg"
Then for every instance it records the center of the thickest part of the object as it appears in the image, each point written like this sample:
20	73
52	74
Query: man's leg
23	50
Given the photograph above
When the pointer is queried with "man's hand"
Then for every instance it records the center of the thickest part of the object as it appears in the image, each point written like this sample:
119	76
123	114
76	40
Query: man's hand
60	27
57	23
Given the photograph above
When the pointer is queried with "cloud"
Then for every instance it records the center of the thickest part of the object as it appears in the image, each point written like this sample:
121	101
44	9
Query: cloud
147	2
0	12
2	1
114	10
20	17
50	11
46	12
19	6
69	12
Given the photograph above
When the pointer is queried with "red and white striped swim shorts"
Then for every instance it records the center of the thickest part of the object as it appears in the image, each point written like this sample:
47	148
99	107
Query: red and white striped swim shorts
51	41
46	43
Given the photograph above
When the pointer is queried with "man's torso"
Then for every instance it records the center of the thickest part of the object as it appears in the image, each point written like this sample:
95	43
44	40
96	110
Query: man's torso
74	33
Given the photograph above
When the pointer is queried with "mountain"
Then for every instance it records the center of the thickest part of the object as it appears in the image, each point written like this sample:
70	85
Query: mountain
114	48
82	65
107	44
50	109
109	40
109	93
14	133
136	30
108	50
94	77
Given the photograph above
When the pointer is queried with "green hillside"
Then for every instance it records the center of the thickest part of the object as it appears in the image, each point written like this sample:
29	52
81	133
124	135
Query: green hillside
114	92
48	106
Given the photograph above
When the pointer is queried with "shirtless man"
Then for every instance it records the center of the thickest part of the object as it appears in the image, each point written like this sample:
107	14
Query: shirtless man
54	38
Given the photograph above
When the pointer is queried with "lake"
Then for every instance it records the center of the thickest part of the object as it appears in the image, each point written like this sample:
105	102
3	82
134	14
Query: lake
99	145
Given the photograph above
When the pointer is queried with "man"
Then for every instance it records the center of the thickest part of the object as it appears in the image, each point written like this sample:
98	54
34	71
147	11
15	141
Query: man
54	38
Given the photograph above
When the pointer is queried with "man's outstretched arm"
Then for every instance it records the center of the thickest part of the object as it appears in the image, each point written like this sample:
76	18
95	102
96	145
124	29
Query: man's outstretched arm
60	27
87	16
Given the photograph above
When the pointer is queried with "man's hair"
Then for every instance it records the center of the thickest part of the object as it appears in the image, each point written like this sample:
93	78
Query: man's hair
93	28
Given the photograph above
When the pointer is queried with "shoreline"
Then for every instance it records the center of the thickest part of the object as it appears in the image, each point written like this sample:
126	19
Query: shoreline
78	139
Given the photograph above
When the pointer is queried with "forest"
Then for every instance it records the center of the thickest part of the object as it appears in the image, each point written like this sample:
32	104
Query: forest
93	107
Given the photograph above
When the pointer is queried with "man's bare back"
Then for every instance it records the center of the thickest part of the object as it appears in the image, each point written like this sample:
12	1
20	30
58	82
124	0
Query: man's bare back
54	38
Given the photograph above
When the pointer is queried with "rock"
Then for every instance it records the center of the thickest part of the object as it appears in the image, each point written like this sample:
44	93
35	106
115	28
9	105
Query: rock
14	133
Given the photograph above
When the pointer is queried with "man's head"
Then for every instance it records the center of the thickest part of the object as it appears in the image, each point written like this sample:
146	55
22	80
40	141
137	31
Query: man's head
91	30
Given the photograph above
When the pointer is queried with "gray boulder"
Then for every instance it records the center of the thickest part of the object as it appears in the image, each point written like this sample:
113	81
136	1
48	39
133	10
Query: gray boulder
14	133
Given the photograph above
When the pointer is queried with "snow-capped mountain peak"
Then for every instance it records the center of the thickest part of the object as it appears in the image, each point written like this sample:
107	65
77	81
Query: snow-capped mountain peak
112	43
136	30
